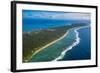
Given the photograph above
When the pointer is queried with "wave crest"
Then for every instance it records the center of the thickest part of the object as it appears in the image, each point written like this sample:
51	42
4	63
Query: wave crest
77	41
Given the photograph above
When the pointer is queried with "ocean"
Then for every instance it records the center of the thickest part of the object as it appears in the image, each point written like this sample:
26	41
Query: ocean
83	50
37	24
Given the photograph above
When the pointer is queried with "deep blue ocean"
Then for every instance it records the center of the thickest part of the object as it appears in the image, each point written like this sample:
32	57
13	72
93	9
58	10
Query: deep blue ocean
35	24
83	50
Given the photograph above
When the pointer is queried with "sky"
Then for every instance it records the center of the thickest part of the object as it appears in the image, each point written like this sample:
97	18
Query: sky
36	14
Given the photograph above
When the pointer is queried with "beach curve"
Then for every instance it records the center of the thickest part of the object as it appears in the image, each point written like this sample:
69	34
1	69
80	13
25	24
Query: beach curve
48	45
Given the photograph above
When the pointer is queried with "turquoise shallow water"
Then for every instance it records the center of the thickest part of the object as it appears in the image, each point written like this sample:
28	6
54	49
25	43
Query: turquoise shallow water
54	50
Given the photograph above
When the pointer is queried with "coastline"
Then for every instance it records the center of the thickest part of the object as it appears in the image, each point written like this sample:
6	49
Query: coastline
48	45
52	42
77	41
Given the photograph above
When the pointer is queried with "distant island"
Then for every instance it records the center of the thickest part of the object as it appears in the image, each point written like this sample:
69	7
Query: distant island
34	40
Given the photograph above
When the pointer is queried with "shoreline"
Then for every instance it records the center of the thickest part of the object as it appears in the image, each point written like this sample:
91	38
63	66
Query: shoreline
73	44
49	44
53	42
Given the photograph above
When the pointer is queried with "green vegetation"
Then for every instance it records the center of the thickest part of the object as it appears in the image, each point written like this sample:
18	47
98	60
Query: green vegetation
34	40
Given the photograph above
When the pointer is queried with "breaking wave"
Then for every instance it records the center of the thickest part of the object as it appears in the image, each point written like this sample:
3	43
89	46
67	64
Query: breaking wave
77	41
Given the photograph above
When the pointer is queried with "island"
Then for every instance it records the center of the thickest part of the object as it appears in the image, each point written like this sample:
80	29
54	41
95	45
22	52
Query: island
35	40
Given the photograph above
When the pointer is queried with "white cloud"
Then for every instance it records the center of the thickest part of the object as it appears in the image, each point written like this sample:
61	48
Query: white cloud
57	15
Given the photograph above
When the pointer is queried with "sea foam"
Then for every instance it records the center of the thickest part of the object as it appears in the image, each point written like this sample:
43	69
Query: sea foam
77	41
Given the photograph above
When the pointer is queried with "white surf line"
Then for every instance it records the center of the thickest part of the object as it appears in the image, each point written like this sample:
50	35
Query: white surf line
77	41
48	45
